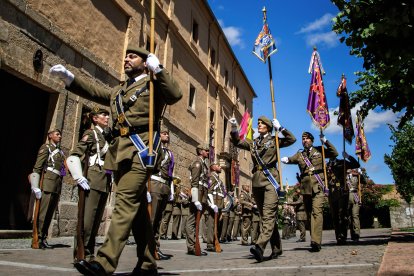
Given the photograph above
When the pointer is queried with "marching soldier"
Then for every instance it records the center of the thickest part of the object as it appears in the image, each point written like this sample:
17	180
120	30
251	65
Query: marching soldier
199	185
265	180
354	202
50	163
216	194
310	164
255	229
96	183
246	203
339	193
301	218
127	155
162	190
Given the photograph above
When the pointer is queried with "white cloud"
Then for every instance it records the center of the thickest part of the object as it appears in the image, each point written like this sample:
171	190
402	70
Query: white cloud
318	24
329	39
373	121
233	35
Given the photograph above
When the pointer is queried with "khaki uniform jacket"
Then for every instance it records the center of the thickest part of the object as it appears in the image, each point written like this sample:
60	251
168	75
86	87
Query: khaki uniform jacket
217	190
198	171
267	152
246	203
308	180
52	182
299	208
166	91
97	177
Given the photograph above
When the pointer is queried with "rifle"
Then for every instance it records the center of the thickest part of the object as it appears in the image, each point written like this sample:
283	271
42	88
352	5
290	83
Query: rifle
197	248
216	241
35	235
80	244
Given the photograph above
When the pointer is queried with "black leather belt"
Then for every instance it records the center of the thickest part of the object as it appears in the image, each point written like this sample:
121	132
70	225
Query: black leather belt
309	173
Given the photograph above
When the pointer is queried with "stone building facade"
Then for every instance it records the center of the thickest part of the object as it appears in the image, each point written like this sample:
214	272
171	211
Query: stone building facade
90	38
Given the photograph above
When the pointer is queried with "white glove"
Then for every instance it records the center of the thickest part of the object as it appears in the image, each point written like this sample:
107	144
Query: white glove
276	124
83	182
255	206
61	72
153	63
359	170
214	207
233	123
284	160
37	192
171	197
345	155
323	138
149	198
198	205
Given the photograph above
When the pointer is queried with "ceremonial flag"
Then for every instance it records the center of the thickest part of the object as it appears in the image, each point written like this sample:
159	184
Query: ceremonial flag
361	144
244	124
250	130
265	45
317	104
344	117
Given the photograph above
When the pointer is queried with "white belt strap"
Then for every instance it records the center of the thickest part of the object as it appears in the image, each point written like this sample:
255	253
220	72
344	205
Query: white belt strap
159	179
53	170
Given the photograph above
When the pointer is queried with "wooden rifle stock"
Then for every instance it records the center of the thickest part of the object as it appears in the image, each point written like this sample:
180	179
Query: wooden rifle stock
35	234
216	241
80	243
197	248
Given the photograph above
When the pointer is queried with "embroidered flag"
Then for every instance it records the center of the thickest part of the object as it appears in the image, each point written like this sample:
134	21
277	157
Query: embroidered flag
344	117
361	144
317	103
265	45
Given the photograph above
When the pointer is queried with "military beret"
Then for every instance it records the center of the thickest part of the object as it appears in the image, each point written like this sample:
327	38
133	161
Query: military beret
266	121
164	129
97	110
308	134
203	147
214	163
54	130
137	50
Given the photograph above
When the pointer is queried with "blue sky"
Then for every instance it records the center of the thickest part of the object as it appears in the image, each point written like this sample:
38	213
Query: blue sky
297	27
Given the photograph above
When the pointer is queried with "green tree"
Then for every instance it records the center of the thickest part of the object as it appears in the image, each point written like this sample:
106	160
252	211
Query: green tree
400	161
380	31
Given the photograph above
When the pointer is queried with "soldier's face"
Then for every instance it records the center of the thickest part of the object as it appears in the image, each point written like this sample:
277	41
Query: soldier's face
306	142
165	137
134	65
55	137
261	127
101	120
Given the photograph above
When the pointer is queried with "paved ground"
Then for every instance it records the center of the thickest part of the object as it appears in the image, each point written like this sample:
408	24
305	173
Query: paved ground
364	258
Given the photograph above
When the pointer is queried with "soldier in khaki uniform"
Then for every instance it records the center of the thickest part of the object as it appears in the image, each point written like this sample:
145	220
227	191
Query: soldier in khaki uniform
339	193
246	203
255	229
310	164
162	190
50	163
165	221
97	181
199	186
227	235
354	202
237	219
126	156
301	218
264	181
176	212
216	203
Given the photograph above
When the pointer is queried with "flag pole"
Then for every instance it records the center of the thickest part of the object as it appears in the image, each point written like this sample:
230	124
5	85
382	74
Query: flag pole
324	164
272	95
343	136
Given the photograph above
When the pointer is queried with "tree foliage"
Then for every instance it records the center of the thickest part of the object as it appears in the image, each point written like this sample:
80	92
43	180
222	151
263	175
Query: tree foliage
400	161
381	32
